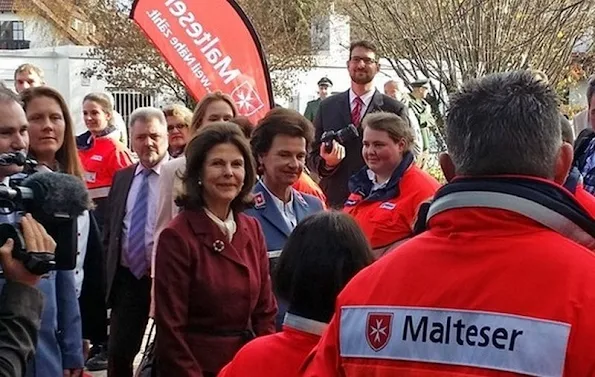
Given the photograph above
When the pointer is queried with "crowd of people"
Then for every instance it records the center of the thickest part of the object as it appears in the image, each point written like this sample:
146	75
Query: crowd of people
316	245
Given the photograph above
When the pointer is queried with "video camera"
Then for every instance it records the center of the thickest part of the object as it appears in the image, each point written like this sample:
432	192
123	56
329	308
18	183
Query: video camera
342	136
55	200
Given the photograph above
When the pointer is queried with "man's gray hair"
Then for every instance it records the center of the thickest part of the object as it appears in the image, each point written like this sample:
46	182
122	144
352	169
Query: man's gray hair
504	123
146	114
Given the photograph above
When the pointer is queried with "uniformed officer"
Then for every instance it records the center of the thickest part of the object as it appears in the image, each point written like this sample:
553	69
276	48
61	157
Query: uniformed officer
324	85
422	109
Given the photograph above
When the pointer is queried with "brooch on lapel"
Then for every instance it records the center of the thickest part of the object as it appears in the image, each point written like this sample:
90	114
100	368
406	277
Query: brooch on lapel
218	246
259	201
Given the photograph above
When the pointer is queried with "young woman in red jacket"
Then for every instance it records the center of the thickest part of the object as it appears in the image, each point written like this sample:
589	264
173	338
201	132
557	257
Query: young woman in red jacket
386	193
321	255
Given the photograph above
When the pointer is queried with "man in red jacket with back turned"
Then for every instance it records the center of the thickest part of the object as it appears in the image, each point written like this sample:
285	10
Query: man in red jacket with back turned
501	282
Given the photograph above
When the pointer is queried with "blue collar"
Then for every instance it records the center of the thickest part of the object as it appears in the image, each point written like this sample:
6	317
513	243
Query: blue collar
360	183
86	140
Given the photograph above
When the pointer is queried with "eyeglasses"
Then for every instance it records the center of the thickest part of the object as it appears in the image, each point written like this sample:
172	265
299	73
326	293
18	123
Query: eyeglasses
366	60
178	127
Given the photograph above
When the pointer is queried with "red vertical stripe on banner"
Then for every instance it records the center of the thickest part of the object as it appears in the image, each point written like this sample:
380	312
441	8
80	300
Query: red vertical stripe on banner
211	45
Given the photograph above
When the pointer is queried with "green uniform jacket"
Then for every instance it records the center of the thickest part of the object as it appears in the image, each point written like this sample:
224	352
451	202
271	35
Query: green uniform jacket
423	113
312	109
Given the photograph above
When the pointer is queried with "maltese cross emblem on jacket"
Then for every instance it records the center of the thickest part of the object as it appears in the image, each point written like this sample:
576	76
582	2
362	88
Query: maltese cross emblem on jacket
378	330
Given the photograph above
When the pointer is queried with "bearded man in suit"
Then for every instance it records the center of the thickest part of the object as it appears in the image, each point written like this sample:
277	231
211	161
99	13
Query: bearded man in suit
337	112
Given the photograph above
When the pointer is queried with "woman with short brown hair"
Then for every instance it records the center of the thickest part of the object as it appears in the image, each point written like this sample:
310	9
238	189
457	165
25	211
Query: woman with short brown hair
212	287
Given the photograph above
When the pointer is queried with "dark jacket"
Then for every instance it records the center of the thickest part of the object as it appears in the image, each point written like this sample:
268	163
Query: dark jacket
334	114
92	298
20	320
312	109
112	226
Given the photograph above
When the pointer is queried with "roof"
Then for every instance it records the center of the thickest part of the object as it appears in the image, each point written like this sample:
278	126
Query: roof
6	5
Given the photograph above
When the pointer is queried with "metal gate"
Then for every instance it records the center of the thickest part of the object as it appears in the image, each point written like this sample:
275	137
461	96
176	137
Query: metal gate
126	101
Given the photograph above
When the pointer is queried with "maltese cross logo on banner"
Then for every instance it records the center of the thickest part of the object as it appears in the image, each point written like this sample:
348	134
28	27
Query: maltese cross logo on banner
247	100
378	330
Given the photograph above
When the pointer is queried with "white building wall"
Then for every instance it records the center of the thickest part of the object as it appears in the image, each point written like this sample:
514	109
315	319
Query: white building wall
37	30
62	66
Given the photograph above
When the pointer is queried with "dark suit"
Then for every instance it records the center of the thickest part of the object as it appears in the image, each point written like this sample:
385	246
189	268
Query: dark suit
334	114
128	296
91	300
206	299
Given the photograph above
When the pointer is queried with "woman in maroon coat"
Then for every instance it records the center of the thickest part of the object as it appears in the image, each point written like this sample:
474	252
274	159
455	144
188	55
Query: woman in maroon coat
212	286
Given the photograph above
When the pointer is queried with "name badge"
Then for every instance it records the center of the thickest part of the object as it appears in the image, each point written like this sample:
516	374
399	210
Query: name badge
97	157
487	340
90	177
388	205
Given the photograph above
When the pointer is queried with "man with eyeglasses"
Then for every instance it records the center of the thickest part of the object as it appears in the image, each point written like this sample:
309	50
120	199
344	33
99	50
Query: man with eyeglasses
339	111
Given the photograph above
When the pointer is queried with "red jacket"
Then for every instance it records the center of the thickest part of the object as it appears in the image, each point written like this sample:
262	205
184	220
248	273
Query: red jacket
206	296
101	160
391	218
275	355
483	292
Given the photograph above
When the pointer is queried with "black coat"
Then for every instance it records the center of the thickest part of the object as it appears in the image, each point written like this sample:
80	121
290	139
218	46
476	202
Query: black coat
334	114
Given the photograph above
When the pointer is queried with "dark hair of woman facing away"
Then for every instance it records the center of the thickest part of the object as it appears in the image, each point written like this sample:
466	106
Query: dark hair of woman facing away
198	148
322	254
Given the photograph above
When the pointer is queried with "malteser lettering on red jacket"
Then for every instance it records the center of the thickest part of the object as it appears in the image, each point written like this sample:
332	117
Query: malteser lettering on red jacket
418	329
525	345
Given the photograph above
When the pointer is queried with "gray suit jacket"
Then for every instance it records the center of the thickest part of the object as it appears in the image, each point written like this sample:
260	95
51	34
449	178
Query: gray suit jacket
20	320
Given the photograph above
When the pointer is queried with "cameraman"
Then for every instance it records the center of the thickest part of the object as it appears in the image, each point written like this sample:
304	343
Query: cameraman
59	349
20	302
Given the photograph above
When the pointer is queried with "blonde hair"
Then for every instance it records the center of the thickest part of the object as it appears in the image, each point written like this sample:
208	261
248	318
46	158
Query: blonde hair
183	113
29	68
396	127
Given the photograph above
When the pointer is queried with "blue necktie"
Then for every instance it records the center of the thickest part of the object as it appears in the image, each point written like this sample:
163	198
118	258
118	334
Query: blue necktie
137	257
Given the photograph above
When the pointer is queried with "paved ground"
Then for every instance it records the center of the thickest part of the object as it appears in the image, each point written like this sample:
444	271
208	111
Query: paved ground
138	357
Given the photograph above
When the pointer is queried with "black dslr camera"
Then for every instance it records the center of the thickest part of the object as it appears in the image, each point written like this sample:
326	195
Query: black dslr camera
55	200
342	136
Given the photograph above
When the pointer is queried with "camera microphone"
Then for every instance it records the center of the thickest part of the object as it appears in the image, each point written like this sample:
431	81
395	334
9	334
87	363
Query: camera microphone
54	194
55	200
